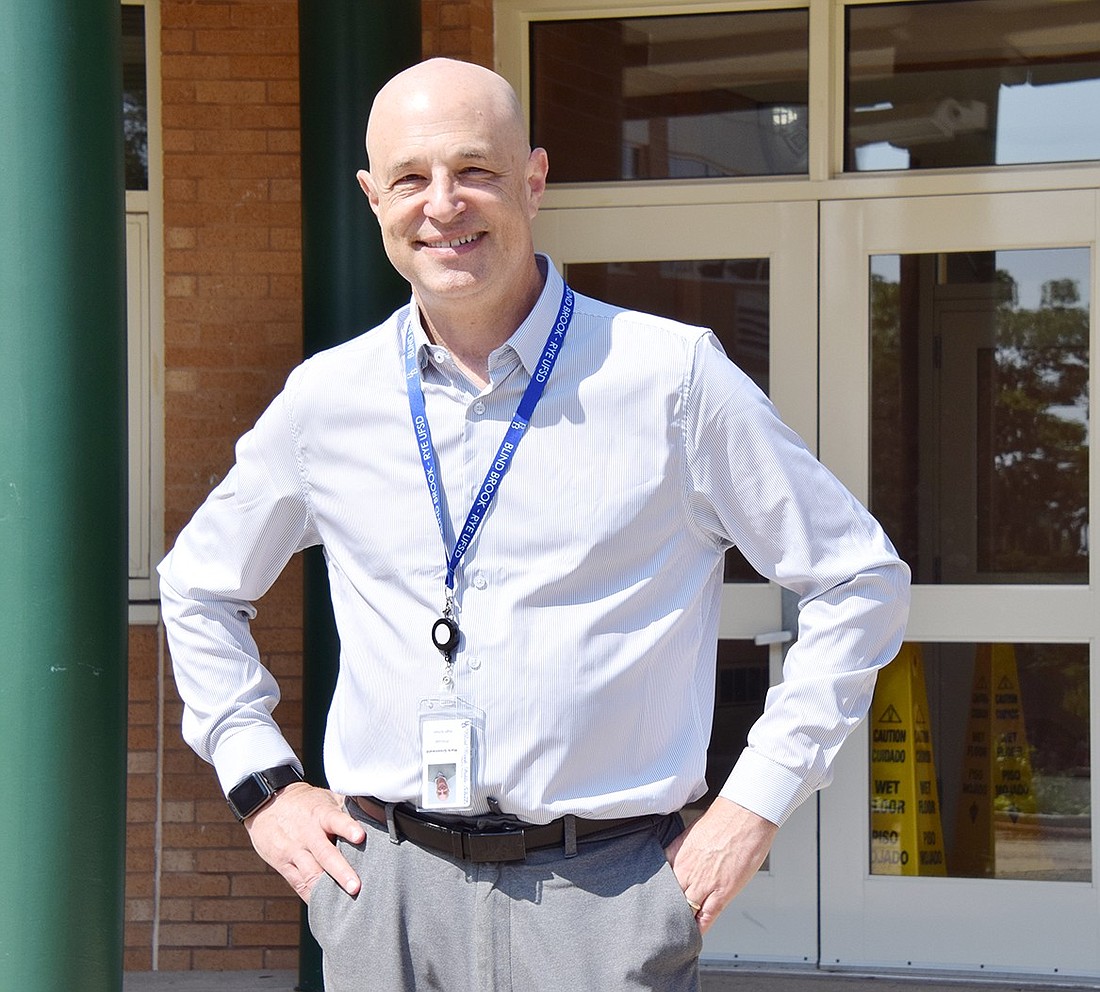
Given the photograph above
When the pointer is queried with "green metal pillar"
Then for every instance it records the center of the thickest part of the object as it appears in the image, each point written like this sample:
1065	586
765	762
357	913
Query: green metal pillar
348	49
63	560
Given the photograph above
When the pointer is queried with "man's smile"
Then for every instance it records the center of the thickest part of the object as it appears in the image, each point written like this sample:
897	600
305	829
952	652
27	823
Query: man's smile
453	242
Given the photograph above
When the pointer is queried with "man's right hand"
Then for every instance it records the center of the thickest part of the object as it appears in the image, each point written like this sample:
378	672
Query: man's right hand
295	832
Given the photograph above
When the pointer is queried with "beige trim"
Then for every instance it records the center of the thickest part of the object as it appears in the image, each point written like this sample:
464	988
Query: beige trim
145	243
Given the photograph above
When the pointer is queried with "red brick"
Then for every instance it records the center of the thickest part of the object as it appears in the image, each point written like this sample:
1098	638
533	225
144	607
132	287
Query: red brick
141	738
173	40
139	910
267	883
281	13
177	910
176	140
267	66
140	811
227	959
226	91
139	885
193	934
179	14
173	959
194	885
282	909
141	786
139	959
257	40
230	861
279	91
264	934
192	66
137	934
204	836
229	910
176	91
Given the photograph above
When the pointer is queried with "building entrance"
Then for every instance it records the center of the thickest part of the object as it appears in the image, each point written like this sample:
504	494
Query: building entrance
957	333
955	340
749	272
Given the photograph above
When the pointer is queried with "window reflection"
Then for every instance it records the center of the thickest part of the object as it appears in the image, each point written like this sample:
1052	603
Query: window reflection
135	117
730	296
979	763
678	97
972	83
980	413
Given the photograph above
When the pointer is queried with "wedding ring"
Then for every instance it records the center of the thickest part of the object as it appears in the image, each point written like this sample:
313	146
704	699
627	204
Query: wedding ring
696	907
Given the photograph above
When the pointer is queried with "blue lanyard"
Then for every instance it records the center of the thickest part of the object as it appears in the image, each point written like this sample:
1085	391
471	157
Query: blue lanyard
507	449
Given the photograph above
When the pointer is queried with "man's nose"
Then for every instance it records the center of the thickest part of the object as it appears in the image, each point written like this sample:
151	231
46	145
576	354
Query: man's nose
443	202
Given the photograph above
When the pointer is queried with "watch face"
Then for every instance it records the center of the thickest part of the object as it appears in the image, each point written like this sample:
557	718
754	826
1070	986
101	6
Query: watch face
247	797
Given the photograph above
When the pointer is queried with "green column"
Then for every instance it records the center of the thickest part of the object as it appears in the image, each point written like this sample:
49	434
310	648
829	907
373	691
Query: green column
348	49
63	559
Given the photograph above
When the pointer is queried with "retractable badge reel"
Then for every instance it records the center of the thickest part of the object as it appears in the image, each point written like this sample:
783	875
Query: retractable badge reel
445	636
446	731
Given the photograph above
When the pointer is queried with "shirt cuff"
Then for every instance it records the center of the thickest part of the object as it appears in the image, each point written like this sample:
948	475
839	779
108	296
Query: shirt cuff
765	788
253	750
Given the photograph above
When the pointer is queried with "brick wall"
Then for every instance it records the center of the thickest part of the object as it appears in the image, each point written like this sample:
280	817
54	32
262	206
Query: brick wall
197	896
458	29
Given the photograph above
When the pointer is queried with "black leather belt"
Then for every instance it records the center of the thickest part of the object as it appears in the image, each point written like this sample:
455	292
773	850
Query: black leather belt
493	845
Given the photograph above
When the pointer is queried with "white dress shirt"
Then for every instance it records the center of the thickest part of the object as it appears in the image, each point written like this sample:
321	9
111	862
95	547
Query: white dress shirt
588	600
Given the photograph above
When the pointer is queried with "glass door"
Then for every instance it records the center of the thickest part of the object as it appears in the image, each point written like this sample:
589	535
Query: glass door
957	335
749	272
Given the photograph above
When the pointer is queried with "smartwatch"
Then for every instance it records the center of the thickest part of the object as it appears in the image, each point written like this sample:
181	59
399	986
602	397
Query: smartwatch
256	791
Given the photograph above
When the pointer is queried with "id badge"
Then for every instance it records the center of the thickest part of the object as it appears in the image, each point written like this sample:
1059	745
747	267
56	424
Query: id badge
448	741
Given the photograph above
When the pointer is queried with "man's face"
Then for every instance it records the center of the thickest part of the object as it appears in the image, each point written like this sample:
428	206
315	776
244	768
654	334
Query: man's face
454	189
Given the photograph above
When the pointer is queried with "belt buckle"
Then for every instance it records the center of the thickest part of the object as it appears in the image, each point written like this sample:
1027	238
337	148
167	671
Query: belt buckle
499	845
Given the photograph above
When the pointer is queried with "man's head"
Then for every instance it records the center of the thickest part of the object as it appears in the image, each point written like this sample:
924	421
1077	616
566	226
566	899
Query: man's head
455	185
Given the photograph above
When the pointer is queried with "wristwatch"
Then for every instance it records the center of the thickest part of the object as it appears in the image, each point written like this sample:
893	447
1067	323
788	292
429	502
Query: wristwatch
256	791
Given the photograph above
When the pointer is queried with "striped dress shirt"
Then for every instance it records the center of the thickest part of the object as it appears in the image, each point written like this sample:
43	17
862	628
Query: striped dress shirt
588	601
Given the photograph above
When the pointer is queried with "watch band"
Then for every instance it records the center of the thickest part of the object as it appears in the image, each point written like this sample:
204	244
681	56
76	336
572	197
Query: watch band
252	794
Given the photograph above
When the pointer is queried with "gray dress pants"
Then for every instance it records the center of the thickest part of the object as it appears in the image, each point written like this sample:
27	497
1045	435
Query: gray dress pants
613	917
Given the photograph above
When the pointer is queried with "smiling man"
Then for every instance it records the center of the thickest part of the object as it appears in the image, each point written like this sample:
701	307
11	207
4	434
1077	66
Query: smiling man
455	187
525	497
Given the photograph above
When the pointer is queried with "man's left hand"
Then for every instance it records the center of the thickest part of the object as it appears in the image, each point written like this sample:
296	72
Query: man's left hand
717	855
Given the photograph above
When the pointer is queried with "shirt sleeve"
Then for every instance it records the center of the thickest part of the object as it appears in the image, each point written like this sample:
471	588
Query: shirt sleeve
229	555
754	484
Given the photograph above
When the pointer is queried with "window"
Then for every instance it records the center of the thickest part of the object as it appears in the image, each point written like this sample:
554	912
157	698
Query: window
144	333
677	97
980	413
972	83
979	763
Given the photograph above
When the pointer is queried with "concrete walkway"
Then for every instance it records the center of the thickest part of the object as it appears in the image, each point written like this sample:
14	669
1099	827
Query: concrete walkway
713	981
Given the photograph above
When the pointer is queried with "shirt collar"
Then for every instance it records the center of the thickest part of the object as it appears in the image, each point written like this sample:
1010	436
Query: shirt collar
529	339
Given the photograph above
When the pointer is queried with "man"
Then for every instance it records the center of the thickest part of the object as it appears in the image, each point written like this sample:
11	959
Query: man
539	618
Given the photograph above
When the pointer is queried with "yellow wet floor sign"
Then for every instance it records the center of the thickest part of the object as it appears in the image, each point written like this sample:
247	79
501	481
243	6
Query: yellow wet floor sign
906	835
996	774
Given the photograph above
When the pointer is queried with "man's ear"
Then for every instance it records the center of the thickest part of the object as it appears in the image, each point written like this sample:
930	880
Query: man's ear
367	185
537	167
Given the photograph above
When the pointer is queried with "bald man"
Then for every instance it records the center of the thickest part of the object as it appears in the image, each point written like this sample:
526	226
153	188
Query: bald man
524	497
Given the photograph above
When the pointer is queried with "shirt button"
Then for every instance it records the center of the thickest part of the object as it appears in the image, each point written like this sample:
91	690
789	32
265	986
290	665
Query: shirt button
480	582
479	407
441	356
475	663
